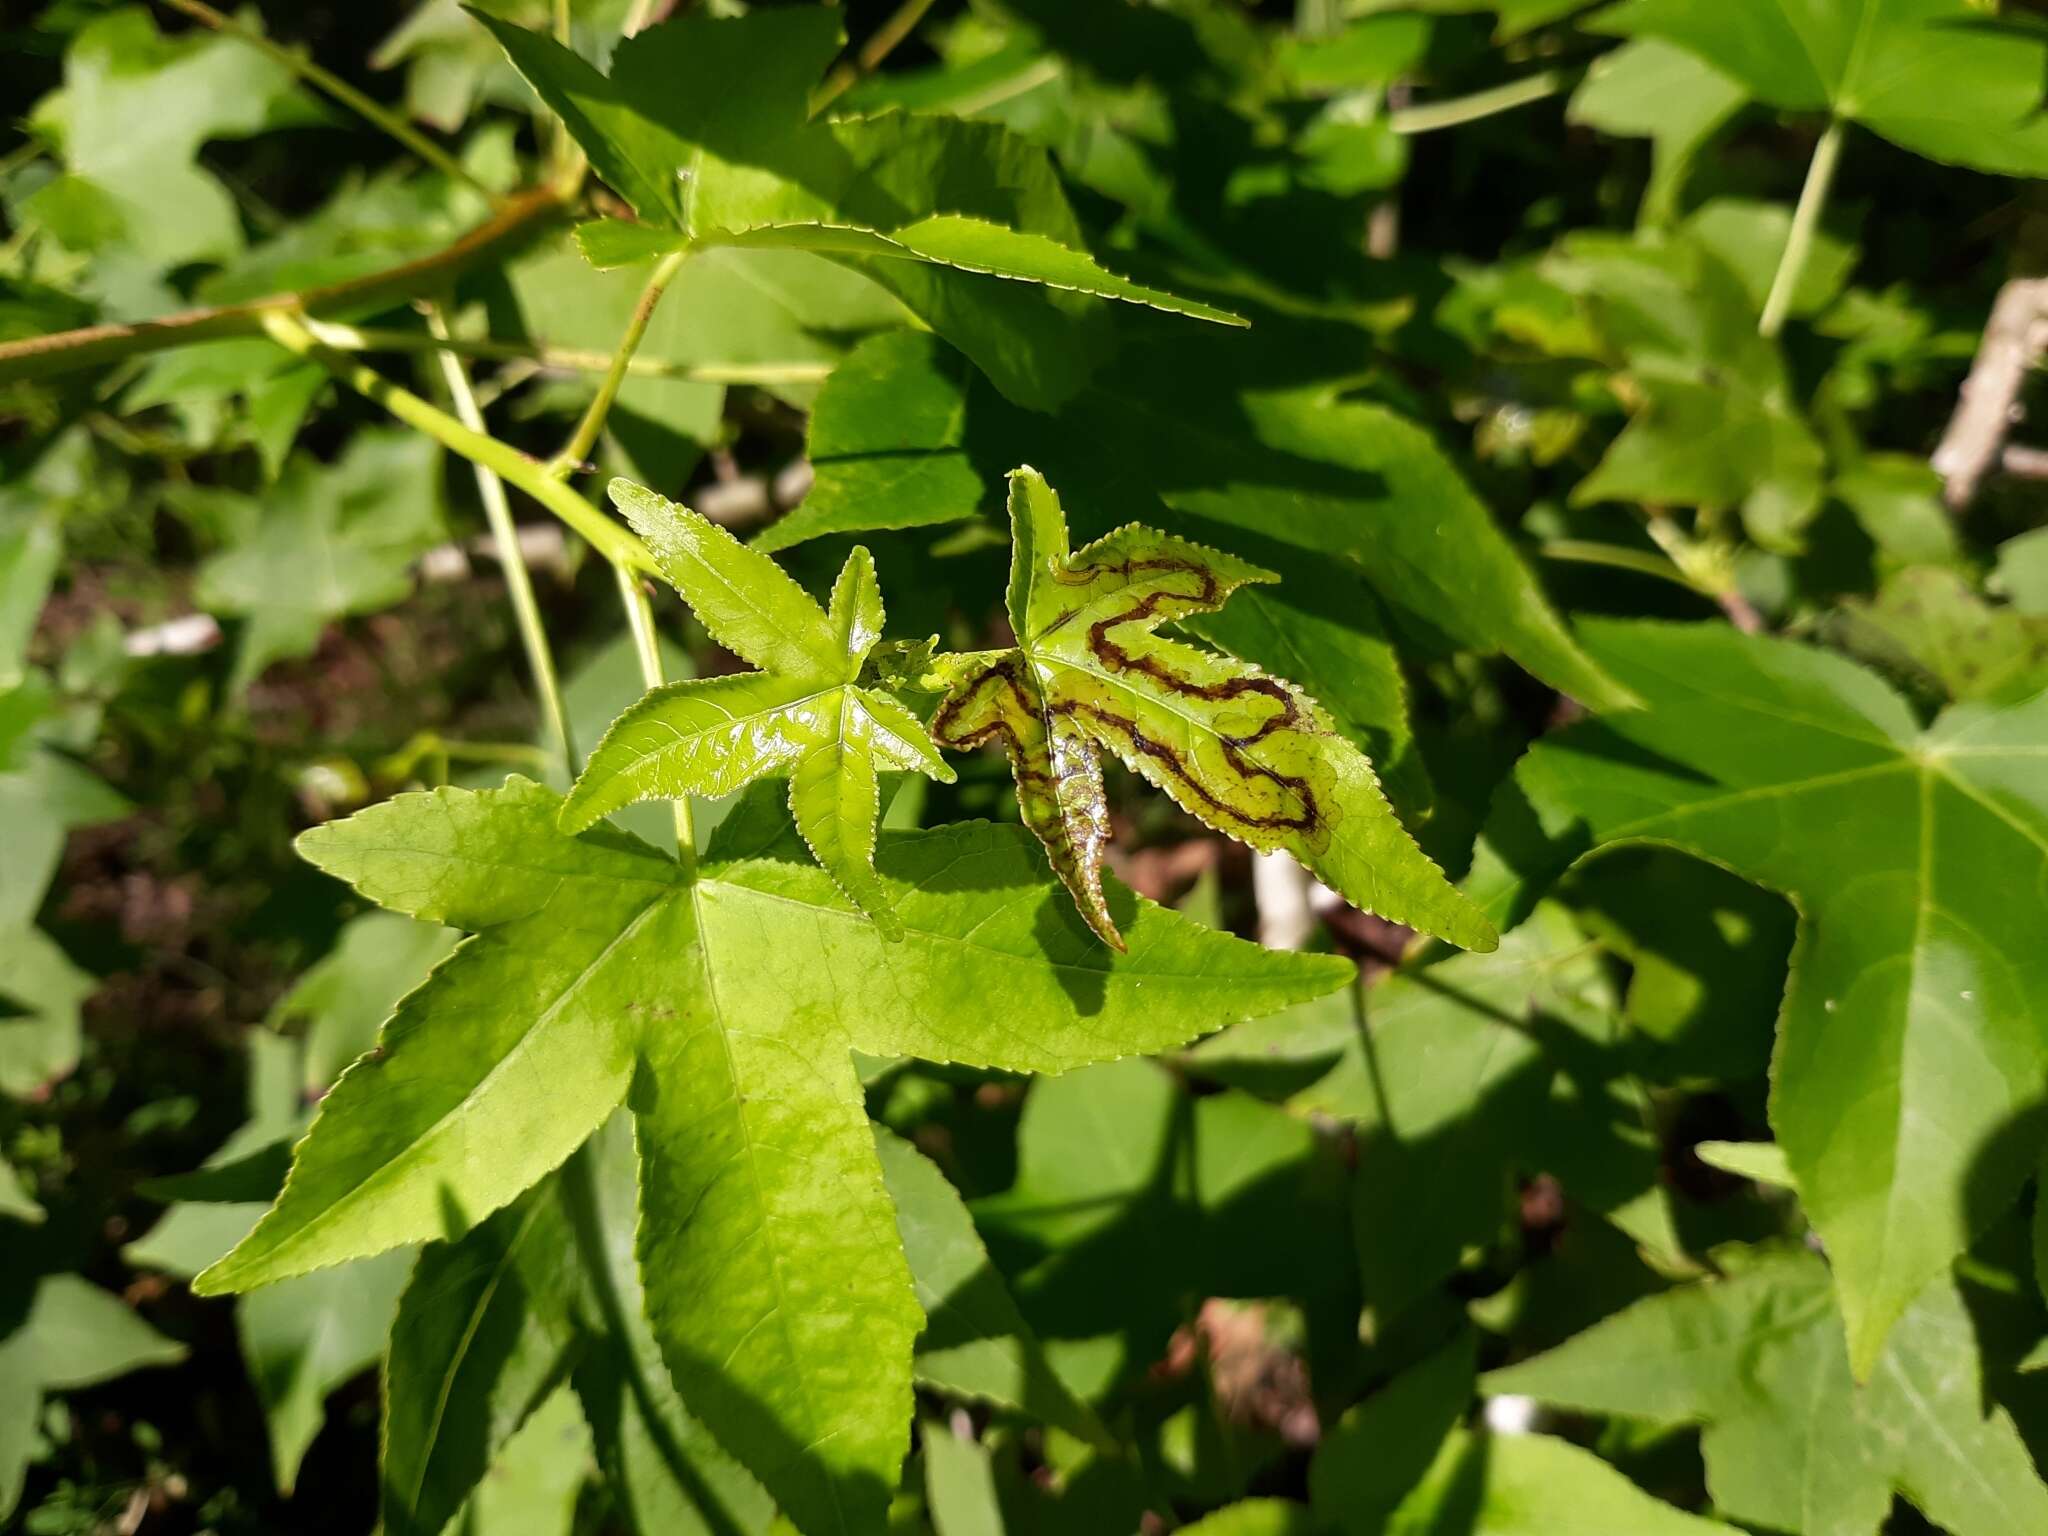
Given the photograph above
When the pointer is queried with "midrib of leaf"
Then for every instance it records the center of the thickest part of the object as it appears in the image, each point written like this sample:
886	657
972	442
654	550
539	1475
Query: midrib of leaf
780	1314
405	1156
1923	909
476	1317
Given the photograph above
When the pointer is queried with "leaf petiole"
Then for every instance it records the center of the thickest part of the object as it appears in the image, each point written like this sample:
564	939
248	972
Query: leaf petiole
1813	196
584	439
616	544
533	635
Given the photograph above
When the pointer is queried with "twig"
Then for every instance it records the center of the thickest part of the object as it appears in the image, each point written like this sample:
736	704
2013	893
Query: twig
2027	463
330	84
95	345
1987	405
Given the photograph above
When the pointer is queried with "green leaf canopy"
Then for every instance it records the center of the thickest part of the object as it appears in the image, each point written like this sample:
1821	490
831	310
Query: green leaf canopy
1912	1039
1791	1442
775	1279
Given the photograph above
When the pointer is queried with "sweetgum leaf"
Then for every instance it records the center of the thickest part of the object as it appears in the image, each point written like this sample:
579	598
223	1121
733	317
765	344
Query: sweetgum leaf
1533	1485
1792	1443
72	1335
339	540
775	1280
1933	76
1471	1072
1249	754
804	717
975	1342
483	1333
1911	1035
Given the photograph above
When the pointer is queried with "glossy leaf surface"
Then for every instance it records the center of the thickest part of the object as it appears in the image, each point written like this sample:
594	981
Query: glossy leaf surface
804	717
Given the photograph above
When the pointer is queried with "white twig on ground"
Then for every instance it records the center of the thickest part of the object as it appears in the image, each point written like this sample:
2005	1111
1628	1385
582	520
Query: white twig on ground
1988	404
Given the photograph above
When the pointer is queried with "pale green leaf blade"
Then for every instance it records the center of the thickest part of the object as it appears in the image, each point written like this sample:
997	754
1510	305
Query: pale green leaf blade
1929	75
16	1200
886	442
482	1335
1791	1441
1369	1459
835	800
775	1279
475	860
959	1483
494	1071
534	1487
1256	1517
309	1335
856	613
975	1342
669	1476
980	920
708	736
81	1335
1762	1161
30	549
747	602
1533	1485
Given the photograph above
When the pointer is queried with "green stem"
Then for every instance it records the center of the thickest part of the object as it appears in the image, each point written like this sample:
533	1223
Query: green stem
901	23
616	544
533	635
584	438
647	646
329	84
1619	557
367	338
1813	197
95	346
1432	115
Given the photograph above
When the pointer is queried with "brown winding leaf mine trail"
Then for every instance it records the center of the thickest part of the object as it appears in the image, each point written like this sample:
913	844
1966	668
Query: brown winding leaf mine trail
1247	753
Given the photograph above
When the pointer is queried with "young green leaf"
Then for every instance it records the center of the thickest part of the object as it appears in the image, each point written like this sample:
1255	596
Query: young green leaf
483	1334
1791	1442
1247	753
1533	1485
775	1280
804	717
1909	1039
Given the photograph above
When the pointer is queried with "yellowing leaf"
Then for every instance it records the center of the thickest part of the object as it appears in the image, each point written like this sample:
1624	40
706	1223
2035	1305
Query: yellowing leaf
1249	754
